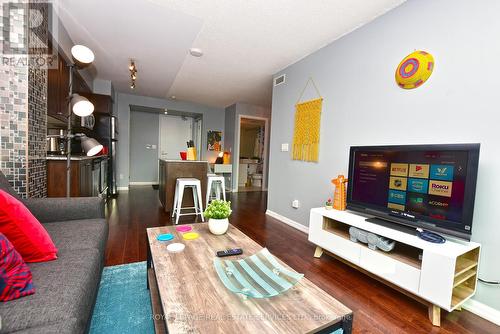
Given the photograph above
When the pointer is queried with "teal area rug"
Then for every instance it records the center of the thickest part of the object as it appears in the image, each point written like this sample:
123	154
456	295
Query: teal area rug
123	304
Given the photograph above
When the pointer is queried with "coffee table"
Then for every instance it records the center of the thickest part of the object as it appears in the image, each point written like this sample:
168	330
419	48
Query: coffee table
187	295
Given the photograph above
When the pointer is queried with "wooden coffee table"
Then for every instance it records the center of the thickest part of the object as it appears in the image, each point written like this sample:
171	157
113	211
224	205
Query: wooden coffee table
188	297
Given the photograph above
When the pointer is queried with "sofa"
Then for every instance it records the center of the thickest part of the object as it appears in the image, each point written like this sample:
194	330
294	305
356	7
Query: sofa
66	288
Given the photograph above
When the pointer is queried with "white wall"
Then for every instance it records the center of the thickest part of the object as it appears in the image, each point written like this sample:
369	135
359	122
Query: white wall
364	106
213	119
104	87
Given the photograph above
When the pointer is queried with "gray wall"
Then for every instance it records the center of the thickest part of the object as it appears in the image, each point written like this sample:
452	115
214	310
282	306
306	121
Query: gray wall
230	129
364	106
231	125
213	119
144	130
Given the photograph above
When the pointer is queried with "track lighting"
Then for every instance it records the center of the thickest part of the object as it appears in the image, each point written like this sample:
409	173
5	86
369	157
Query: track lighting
133	74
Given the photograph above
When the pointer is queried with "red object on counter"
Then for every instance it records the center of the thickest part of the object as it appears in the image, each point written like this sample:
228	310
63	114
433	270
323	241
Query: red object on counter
104	150
183	155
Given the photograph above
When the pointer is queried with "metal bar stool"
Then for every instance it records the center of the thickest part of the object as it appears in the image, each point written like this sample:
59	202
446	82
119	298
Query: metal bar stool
220	186
195	185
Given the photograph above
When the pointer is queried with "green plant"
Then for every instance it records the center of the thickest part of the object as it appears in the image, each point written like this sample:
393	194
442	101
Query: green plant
218	209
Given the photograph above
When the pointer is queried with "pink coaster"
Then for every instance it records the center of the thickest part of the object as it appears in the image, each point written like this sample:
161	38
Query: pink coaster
183	228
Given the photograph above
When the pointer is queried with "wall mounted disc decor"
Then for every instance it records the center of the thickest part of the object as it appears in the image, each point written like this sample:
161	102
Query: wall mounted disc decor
414	70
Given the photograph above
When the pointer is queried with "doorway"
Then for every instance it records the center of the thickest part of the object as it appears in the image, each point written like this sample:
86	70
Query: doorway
157	133
252	153
175	132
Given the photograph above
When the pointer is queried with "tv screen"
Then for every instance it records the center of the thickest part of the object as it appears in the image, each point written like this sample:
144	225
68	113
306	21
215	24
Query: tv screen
428	186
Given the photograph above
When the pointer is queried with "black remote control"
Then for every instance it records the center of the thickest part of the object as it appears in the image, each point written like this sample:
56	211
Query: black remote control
230	252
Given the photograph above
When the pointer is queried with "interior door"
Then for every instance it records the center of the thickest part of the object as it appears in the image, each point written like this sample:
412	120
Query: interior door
175	131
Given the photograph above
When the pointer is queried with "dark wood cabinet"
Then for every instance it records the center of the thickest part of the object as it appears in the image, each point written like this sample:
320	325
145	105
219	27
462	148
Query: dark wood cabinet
58	89
81	178
103	104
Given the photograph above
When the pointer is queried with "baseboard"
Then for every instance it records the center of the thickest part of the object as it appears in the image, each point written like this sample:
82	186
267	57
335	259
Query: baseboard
122	188
482	310
142	183
288	221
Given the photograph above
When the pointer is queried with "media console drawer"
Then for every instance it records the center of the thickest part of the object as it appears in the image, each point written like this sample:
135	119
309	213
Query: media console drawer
394	271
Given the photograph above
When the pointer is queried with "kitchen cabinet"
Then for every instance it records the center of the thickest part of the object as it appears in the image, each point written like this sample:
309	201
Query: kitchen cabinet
86	174
58	89
103	104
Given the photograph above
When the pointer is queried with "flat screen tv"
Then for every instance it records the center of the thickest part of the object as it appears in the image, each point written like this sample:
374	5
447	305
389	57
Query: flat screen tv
427	186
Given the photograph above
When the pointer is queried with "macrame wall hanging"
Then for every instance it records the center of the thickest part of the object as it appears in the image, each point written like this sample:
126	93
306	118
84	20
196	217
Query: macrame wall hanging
307	125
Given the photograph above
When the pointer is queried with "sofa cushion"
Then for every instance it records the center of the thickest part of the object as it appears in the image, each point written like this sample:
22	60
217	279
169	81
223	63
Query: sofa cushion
68	326
66	289
25	232
15	276
79	234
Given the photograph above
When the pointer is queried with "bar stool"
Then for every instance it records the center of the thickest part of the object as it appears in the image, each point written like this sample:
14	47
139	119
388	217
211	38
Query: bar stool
195	185
220	186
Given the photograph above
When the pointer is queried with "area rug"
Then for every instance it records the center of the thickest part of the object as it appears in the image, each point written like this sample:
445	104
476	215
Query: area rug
123	304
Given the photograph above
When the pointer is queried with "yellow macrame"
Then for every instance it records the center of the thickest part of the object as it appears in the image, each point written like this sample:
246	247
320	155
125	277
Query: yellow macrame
306	132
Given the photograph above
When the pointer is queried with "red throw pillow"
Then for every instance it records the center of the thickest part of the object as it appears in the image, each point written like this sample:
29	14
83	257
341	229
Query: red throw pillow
15	276
24	231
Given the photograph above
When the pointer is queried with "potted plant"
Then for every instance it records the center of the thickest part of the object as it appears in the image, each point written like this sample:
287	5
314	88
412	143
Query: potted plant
217	213
329	204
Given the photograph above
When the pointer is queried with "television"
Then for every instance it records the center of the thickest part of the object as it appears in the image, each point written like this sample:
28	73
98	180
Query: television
427	186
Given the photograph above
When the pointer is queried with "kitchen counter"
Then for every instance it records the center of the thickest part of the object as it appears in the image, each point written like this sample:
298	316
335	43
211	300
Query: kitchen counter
171	170
172	160
74	157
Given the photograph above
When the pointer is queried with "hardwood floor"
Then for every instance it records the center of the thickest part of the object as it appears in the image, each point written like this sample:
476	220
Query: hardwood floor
377	308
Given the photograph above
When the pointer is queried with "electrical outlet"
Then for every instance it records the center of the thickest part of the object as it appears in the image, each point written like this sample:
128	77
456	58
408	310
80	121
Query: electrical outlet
295	204
284	147
121	176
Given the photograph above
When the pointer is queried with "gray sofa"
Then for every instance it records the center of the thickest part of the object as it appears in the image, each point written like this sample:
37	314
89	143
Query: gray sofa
66	288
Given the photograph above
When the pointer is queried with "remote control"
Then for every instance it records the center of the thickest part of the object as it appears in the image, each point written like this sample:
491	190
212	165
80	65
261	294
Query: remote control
230	252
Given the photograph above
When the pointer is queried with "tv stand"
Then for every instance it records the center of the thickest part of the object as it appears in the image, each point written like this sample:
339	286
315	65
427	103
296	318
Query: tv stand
438	275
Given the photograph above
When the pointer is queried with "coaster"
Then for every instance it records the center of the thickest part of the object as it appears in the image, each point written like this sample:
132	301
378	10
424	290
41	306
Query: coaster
190	236
175	247
165	237
184	228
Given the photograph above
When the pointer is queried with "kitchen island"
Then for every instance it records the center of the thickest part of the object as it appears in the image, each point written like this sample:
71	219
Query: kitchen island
170	171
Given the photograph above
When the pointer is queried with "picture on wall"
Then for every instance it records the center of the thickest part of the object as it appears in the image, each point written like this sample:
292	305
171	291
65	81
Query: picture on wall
214	140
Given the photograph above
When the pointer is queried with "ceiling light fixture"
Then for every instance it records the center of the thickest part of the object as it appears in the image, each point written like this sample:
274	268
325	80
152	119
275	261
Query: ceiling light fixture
133	73
196	52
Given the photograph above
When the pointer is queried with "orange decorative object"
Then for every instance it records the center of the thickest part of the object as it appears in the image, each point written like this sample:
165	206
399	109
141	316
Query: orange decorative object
226	158
340	193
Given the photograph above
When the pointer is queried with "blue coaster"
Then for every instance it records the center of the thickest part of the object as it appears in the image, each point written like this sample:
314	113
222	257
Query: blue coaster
165	237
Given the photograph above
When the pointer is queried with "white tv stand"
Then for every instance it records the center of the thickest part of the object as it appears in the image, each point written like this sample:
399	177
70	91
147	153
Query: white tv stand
445	276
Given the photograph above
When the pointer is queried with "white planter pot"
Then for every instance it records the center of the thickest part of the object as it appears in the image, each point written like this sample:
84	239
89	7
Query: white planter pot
218	226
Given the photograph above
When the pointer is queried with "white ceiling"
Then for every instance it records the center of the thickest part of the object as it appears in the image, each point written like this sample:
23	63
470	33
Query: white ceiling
244	42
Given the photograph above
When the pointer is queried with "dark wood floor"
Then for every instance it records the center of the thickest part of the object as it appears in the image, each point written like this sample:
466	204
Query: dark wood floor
377	308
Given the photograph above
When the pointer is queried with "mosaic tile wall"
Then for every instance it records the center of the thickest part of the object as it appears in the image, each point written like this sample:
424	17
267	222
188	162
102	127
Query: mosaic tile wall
14	111
37	116
22	120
